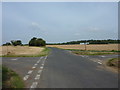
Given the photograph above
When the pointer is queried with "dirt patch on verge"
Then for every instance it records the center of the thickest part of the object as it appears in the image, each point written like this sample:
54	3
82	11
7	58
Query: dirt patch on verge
108	66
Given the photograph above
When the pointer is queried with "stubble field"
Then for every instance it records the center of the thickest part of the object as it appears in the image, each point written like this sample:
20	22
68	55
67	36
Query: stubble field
20	50
98	47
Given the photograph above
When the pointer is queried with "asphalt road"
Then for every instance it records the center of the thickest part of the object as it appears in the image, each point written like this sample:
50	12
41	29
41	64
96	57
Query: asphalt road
61	69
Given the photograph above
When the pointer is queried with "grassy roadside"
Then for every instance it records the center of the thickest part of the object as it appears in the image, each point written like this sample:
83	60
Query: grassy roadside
92	52
114	62
10	79
0	76
44	52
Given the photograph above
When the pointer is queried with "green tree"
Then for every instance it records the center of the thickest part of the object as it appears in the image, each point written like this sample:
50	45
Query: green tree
7	44
16	42
37	42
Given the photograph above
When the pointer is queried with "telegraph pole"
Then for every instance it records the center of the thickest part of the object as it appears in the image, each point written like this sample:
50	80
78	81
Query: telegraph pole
85	46
7	48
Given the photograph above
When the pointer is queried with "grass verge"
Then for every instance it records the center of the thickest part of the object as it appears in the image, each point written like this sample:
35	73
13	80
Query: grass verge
92	52
10	79
43	53
0	76
114	62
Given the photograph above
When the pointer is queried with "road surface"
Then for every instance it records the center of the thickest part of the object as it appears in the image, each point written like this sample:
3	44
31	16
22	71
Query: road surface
61	69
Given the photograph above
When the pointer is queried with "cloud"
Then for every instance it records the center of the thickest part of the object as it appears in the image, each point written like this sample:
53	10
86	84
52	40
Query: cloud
94	29
77	34
35	26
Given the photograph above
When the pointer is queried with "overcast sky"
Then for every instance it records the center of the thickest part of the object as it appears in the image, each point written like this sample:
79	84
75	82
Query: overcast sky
59	21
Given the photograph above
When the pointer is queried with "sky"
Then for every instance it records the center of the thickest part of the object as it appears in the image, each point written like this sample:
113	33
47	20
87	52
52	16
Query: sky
59	21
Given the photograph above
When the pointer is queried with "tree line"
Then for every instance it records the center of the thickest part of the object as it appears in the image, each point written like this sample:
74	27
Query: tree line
40	42
33	42
108	41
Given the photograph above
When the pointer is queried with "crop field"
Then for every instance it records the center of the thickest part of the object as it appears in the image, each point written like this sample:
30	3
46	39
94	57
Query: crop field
20	50
99	47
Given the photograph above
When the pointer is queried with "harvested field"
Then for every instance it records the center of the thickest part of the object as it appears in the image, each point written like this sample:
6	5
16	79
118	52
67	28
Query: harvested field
20	50
99	47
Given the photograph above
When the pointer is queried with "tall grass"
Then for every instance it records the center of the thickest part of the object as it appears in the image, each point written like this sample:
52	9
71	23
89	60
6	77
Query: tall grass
10	79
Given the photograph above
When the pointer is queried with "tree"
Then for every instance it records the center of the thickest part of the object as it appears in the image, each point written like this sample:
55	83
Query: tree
37	42
16	42
7	44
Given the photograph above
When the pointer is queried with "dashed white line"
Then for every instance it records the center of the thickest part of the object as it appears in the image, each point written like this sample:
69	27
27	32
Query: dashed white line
30	71
99	60
45	57
26	77
14	59
35	64
102	56
41	57
99	63
34	84
38	61
33	67
82	56
39	71
41	67
37	77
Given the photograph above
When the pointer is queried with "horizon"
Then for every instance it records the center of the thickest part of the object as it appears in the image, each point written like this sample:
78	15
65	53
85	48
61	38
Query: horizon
62	42
59	21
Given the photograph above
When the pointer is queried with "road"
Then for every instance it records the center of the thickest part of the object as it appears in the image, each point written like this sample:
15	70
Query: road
61	69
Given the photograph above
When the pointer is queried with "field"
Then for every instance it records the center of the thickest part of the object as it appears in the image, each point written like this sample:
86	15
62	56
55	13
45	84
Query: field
20	50
98	47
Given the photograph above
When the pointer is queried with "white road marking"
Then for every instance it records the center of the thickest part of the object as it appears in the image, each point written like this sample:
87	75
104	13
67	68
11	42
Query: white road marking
41	57
33	67
14	59
82	56
34	85
35	64
99	60
102	56
37	77
41	67
26	77
38	61
30	71
45	57
39	71
42	64
99	63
